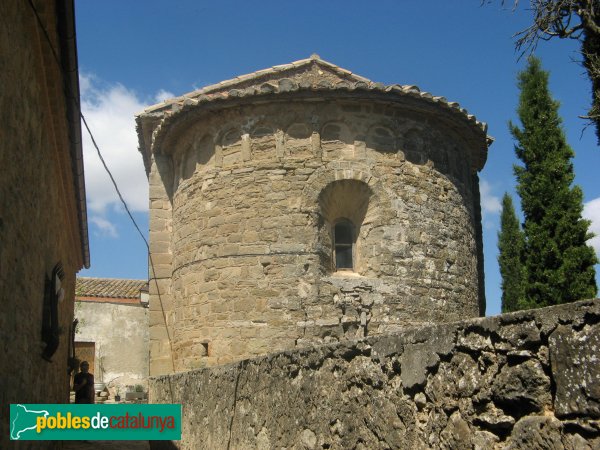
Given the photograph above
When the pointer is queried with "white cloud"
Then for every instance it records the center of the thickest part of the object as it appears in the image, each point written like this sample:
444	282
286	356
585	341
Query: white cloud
490	204
591	211
163	95
104	226
109	112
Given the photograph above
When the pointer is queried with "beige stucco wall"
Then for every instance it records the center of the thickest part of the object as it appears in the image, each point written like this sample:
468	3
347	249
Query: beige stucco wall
242	205
120	332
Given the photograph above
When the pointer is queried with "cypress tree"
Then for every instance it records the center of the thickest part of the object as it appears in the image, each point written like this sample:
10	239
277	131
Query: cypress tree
559	266
510	246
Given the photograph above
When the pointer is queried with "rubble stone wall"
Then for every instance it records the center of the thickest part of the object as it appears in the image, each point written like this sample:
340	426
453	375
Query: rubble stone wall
242	209
516	381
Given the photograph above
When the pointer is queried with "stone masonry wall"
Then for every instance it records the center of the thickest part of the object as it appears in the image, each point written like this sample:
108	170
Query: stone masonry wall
38	225
516	381
242	210
161	314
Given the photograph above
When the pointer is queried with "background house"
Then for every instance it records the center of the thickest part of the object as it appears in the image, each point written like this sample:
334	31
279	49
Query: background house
43	225
112	330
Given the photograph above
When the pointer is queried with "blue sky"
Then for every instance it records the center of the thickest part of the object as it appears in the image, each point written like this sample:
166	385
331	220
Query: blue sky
134	54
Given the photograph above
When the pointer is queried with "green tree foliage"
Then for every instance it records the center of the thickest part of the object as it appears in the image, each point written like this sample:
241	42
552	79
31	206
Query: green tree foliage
510	245
559	266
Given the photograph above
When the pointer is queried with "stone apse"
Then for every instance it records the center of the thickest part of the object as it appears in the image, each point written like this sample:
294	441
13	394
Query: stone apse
304	204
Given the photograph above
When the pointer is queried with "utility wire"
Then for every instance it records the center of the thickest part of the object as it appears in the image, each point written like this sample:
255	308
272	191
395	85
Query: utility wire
114	183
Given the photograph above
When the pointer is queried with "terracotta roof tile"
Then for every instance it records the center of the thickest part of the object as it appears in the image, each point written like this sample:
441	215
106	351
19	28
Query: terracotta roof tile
356	81
309	75
109	287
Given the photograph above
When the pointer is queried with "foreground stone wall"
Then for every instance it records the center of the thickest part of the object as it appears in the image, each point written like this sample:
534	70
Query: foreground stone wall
520	381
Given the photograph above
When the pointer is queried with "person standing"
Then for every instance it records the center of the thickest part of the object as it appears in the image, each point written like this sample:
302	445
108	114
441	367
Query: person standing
83	384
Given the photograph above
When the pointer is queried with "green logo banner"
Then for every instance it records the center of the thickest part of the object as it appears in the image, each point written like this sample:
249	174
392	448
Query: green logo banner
122	422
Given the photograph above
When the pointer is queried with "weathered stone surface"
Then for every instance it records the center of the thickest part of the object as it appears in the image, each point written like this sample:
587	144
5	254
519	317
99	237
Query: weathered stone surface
494	419
474	341
575	361
347	395
415	361
247	196
484	440
536	432
522	388
453	380
420	400
457	434
520	335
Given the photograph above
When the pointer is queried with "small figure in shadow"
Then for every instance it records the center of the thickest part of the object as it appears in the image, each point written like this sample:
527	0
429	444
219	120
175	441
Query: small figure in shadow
83	384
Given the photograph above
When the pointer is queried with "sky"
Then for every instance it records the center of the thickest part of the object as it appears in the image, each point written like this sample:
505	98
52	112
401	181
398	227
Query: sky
134	54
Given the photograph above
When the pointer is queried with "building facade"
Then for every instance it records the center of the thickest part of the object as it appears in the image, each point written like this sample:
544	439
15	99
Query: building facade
112	330
43	228
305	204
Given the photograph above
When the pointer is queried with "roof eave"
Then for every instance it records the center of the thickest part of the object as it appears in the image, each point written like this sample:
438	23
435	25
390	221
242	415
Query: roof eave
414	99
68	55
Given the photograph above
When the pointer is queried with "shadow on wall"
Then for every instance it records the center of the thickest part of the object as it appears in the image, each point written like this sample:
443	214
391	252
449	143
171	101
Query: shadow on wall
162	445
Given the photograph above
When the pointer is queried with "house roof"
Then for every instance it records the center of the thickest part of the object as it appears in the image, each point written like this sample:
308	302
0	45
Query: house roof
70	69
311	75
110	288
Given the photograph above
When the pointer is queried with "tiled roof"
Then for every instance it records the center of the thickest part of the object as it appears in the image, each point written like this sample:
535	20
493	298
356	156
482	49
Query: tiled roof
109	287
307	75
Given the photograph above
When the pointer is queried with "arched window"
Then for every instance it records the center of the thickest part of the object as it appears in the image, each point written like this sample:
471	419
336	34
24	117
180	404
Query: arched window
343	207
343	243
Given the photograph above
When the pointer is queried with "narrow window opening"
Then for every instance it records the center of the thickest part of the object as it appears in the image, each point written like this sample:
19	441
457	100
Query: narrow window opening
205	348
343	238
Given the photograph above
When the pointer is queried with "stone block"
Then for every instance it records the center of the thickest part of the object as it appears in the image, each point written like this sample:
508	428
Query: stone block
159	286
536	432
160	247
161	259
160	366
523	387
457	434
160	236
524	334
244	304
158	332
575	362
415	361
161	270
157	192
474	341
158	212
